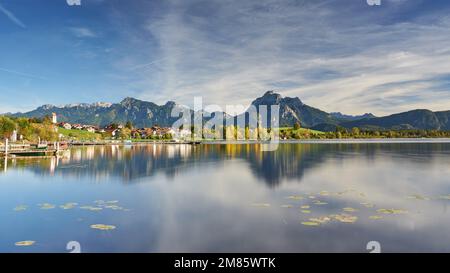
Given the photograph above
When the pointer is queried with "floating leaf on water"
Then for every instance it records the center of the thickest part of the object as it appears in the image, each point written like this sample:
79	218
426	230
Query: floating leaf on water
311	223
261	205
367	205
20	208
418	197
321	220
311	197
324	193
342	192
345	218
103	227
317	202
446	197
47	206
68	206
91	208
25	243
391	211
375	217
286	206
305	207
349	209
113	207
306	211
295	197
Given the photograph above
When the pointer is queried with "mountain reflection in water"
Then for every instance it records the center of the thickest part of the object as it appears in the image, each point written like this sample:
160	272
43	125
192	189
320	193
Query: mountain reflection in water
289	162
230	198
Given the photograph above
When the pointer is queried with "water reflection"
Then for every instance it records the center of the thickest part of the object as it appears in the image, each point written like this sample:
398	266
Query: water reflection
288	162
202	198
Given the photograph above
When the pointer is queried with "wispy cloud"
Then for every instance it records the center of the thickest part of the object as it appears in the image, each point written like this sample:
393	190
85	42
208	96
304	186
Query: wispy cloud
26	75
83	32
335	55
11	16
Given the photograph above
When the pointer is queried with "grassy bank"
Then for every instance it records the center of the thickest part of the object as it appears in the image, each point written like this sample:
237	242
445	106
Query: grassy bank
81	135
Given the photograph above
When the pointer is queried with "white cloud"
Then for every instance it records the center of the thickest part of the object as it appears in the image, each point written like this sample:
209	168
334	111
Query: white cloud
348	58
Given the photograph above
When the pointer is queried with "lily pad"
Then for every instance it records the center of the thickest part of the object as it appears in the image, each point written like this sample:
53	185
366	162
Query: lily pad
113	207
305	207
311	223
324	193
47	206
446	197
391	211
20	208
286	206
317	202
418	197
261	205
25	243
295	197
367	205
321	220
68	206
306	211
103	227
91	208
349	209
375	217
345	218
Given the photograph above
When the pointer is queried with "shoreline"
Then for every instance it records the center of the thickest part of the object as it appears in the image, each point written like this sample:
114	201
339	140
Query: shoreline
285	141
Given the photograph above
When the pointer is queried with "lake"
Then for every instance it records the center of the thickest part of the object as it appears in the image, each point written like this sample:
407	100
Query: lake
303	197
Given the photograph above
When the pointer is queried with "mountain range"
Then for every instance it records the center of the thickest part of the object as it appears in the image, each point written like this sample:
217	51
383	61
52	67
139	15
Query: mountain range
292	110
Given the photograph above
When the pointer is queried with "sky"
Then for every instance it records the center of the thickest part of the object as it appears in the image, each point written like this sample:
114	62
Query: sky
336	55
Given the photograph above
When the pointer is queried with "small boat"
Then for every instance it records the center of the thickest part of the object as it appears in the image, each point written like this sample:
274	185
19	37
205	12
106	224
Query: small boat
41	146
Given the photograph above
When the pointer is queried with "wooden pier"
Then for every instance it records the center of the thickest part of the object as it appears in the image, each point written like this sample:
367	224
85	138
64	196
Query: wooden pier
30	150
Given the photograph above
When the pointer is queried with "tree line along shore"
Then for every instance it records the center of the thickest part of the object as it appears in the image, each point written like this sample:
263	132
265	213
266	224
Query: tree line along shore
45	129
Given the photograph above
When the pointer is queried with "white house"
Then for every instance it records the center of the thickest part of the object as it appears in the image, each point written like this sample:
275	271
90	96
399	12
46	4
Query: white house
67	126
90	129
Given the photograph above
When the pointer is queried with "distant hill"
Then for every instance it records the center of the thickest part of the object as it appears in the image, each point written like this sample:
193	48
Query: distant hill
415	119
343	117
141	113
292	110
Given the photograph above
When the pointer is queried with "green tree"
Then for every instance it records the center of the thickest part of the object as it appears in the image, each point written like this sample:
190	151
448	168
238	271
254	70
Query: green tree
355	131
125	133
7	126
129	125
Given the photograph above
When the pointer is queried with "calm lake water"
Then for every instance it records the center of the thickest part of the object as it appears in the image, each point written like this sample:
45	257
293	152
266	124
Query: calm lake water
230	198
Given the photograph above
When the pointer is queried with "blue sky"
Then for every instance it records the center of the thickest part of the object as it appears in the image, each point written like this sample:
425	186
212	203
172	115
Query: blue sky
337	55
